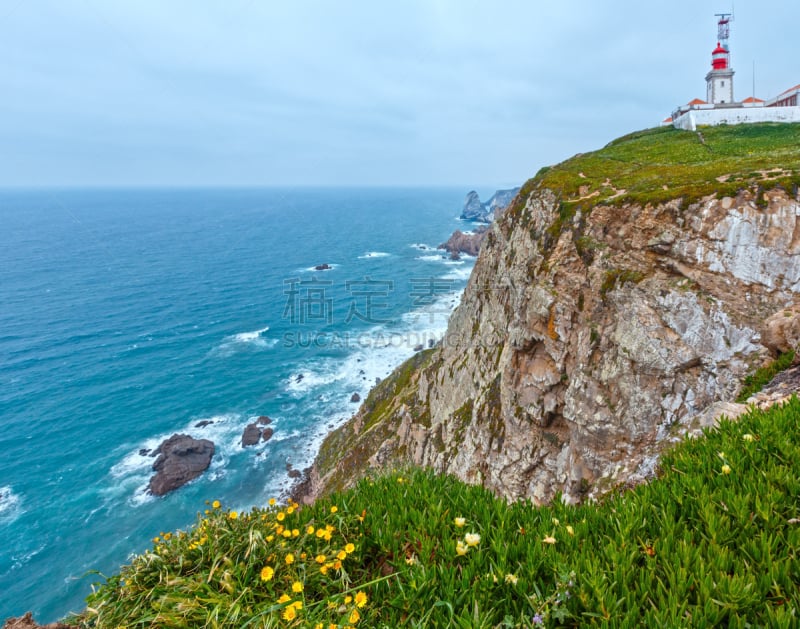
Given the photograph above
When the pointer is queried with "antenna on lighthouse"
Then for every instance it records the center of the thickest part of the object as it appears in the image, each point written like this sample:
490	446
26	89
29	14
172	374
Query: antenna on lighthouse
724	28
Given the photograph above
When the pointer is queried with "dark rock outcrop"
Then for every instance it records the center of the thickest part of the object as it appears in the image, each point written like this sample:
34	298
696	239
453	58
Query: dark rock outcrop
264	420
323	267
251	435
266	435
355	398
460	242
181	459
204	423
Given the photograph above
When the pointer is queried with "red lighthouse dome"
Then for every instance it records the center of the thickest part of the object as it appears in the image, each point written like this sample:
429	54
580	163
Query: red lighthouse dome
719	58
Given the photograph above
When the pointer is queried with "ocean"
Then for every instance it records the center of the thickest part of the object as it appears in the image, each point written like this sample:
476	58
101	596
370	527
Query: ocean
128	315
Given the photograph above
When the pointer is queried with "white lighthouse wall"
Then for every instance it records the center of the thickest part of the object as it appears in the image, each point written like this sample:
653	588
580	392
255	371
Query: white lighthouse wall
735	115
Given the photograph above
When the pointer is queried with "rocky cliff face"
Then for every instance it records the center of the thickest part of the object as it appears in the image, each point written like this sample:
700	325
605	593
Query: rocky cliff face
585	340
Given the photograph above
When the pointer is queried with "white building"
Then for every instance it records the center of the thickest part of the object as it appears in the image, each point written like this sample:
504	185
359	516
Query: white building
720	106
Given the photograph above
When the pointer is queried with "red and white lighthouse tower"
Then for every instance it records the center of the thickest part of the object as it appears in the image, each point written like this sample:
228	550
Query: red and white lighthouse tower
719	81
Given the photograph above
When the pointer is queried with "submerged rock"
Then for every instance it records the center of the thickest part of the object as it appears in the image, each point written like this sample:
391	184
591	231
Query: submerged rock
181	459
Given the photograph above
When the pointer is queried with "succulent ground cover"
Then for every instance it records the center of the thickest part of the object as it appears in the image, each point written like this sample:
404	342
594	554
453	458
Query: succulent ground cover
713	541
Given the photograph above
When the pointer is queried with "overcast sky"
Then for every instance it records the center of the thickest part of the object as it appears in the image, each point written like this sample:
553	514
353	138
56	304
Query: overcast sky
301	92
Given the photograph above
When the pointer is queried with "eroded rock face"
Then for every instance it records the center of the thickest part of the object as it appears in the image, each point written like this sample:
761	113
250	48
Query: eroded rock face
181	458
577	352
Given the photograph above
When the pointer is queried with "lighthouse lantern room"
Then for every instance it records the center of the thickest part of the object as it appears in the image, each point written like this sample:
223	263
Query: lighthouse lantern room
719	81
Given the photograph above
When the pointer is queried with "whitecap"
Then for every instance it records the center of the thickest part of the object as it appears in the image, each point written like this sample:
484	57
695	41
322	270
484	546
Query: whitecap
421	246
458	274
250	337
245	340
439	258
374	254
10	505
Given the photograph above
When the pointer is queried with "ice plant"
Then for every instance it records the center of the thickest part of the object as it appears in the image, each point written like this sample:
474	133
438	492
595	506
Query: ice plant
459	522
549	540
461	549
472	539
726	469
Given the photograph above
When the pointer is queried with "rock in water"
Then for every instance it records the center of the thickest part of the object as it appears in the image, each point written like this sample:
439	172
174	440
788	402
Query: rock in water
181	459
264	420
473	208
251	435
355	398
267	434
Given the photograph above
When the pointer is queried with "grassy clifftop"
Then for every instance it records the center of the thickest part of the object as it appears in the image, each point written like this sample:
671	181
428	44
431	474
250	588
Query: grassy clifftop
713	541
665	163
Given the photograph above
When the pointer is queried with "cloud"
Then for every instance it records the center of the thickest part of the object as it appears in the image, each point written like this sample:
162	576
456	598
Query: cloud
355	92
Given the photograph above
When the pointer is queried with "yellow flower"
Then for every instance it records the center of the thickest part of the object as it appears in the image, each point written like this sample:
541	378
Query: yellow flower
233	515
349	548
726	469
289	613
320	558
290	509
348	599
337	565
320	533
285	598
556	521
472	539
334	509
295	533
354	617
512	579
281	515
216	504
341	555
287	533
460	548
297	587
549	540
748	437
270	538
289	559
267	572
459	522
323	569
310	530
272	502
570	530
399	479
361	599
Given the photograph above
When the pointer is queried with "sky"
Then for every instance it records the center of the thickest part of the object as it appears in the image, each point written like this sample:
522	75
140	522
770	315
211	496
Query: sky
354	92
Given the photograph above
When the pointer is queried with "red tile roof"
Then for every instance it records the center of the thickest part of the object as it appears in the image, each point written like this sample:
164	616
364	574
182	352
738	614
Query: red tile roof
697	101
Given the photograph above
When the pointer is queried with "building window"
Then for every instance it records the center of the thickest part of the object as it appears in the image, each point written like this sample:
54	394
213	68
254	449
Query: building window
722	83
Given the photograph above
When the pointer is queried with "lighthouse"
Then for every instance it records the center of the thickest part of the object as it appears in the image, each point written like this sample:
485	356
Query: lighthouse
719	81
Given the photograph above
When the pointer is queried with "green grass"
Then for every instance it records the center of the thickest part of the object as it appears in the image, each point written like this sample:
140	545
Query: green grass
756	381
657	165
714	541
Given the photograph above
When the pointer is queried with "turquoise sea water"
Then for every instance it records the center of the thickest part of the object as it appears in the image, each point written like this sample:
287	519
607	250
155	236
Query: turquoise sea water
130	315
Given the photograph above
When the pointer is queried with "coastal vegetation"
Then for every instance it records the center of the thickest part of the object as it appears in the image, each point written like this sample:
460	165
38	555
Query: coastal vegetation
660	164
713	541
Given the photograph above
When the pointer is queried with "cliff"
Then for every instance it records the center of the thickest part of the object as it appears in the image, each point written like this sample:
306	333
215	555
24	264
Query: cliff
618	298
